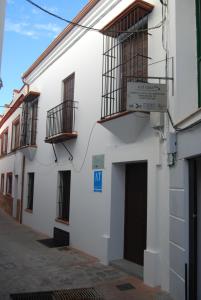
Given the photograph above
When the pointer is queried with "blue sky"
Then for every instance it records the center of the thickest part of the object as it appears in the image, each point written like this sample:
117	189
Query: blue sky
28	32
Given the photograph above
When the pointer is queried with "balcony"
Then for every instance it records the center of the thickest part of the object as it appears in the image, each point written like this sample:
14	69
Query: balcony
60	123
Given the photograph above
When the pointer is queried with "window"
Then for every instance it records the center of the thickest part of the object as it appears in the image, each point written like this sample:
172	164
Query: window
29	123
4	142
198	17
64	195
68	104
15	134
125	56
9	184
30	191
2	183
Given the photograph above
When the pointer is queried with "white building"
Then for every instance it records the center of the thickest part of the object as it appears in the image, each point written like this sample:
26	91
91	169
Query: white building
77	138
2	18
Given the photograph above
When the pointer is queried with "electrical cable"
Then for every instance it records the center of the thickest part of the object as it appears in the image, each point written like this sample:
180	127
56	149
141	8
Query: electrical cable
164	17
60	18
88	27
164	4
189	126
171	121
87	148
177	129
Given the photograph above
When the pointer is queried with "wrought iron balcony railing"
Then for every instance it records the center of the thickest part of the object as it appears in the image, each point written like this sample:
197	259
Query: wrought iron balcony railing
61	122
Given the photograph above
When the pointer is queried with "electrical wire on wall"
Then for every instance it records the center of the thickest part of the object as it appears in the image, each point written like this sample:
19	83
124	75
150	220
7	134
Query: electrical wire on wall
164	17
86	151
88	27
178	129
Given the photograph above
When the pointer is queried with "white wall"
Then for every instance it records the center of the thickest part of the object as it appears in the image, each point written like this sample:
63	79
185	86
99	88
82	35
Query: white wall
183	47
97	219
93	216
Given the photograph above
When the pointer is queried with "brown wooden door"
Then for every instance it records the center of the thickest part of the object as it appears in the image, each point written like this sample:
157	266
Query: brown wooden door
68	103
135	212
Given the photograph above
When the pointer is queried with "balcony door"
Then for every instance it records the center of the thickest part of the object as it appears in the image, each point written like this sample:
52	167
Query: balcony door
68	99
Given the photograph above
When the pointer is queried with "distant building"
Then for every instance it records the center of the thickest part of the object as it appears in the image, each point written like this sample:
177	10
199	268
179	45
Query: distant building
124	184
2	18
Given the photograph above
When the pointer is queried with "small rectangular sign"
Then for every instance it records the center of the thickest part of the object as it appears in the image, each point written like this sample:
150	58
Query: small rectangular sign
146	97
98	181
98	161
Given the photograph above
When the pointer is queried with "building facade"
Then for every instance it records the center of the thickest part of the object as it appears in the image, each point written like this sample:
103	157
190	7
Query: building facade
74	157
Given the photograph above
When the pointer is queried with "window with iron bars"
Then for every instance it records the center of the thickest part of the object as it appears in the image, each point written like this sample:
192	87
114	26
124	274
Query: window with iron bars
2	183
15	134
29	123
63	209
9	182
30	191
125	56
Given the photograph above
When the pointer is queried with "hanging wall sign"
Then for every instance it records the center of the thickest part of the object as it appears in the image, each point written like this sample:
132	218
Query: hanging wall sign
98	181
146	97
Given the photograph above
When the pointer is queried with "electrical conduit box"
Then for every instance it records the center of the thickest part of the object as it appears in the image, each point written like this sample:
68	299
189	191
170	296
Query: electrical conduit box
171	143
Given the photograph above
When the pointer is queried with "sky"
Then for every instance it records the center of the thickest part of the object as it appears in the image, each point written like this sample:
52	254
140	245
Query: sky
27	33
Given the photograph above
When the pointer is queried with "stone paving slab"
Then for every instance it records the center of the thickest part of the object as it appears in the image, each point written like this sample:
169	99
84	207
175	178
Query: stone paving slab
28	266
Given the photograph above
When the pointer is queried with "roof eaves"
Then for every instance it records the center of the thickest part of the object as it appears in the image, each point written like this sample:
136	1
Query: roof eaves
87	8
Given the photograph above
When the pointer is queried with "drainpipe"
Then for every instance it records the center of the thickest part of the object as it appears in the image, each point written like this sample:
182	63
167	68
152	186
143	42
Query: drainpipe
23	170
22	188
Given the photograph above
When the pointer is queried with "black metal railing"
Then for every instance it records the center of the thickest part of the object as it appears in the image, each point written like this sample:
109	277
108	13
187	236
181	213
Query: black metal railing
61	119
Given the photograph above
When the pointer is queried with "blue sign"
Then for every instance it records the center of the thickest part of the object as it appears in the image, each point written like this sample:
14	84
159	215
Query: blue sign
98	181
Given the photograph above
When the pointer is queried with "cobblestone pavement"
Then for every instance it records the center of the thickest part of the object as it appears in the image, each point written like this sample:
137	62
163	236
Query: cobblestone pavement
28	266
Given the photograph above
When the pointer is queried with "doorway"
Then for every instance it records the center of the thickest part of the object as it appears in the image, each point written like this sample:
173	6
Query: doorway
194	229
135	224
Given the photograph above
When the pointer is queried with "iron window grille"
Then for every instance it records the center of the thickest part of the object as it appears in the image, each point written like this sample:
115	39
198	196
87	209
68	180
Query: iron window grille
29	123
15	134
125	57
30	191
9	182
2	183
64	195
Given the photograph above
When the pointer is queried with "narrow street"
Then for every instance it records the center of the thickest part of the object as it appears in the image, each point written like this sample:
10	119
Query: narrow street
28	266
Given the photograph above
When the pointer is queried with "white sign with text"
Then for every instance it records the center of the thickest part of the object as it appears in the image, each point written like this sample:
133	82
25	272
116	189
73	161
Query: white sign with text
146	97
